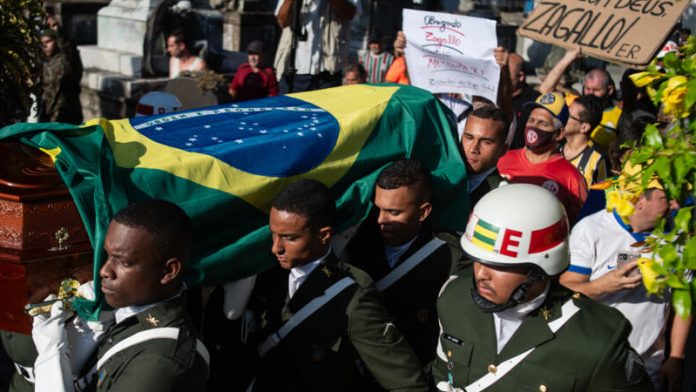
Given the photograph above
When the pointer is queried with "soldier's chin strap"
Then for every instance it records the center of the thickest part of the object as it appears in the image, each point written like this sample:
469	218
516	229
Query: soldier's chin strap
516	297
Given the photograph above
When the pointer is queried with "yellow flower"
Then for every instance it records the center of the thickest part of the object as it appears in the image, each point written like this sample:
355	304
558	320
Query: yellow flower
673	97
622	203
642	79
650	277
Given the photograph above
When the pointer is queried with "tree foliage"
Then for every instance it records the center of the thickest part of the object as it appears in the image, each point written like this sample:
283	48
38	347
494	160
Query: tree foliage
669	153
21	22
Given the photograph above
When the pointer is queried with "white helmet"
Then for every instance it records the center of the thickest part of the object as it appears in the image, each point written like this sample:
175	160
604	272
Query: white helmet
519	224
157	102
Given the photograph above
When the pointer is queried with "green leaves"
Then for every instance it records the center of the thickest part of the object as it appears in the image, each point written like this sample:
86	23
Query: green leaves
21	22
681	301
670	154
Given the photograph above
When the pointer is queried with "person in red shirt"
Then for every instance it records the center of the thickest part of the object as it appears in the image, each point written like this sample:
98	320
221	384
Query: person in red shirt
254	79
539	162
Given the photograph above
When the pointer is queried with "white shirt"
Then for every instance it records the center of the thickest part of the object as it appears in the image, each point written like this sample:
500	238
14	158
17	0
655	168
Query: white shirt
394	253
507	321
308	60
299	274
121	314
595	244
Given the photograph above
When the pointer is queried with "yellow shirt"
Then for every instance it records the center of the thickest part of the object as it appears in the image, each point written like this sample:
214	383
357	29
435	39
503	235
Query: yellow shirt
591	164
605	133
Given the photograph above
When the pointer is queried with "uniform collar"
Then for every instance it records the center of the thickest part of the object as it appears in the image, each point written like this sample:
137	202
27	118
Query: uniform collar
123	313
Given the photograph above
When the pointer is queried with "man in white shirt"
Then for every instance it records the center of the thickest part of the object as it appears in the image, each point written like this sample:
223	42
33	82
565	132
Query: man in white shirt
322	43
603	254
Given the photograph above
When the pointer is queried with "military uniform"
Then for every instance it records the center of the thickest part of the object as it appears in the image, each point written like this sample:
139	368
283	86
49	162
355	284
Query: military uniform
492	181
158	364
590	352
21	349
320	354
60	100
412	299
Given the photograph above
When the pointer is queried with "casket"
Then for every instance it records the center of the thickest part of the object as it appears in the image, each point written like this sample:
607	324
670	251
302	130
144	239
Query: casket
42	239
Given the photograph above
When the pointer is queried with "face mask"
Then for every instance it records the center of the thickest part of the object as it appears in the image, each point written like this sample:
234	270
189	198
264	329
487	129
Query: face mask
534	138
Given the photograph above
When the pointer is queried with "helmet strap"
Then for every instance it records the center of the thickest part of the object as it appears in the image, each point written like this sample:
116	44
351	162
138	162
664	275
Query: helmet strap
516	297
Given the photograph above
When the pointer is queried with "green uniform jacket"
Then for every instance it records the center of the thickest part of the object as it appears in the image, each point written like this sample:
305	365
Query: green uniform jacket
155	365
321	353
411	300
20	348
491	182
589	353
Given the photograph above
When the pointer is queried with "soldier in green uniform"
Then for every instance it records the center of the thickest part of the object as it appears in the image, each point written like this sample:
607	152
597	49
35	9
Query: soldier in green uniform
508	325
152	345
60	78
20	348
319	316
397	248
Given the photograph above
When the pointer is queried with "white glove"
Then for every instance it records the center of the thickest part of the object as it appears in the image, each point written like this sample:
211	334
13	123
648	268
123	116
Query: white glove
236	297
84	336
51	369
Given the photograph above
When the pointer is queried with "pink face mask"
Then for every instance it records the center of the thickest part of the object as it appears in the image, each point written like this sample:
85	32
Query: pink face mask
534	138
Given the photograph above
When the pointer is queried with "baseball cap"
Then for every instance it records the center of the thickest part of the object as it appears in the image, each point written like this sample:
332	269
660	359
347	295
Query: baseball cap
256	46
669	47
554	103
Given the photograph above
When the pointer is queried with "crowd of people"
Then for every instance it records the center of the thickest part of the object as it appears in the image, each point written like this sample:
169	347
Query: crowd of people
541	291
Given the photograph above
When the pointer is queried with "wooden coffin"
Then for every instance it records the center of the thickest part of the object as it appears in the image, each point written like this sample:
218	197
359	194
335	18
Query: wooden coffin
42	239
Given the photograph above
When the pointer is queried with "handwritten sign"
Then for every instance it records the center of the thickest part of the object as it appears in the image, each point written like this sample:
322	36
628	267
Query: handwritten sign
448	53
625	31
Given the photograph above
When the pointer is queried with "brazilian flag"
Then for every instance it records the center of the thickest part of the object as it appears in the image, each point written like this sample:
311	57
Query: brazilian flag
223	165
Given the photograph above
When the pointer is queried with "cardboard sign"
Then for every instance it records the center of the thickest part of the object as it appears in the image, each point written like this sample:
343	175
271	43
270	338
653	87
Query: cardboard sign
448	53
624	31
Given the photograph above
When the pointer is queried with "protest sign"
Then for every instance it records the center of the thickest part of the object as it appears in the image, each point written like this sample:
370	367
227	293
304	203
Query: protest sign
448	53
624	31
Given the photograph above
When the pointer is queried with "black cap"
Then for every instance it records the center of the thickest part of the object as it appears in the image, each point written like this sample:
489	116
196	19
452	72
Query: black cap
256	46
375	38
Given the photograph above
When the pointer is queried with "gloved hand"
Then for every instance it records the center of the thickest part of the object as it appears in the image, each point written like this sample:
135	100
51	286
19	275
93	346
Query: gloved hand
236	297
48	330
51	369
84	336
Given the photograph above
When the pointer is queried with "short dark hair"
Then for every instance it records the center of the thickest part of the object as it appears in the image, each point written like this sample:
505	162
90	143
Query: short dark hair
309	198
407	172
179	37
495	114
592	109
170	227
355	68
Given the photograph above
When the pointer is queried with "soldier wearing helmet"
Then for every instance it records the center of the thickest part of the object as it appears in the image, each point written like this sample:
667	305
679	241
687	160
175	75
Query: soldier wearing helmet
506	323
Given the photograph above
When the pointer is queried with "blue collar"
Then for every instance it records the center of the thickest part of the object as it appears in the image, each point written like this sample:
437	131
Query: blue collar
639	237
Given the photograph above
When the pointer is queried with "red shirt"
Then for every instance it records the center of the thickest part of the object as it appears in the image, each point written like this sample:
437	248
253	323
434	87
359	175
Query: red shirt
253	85
556	175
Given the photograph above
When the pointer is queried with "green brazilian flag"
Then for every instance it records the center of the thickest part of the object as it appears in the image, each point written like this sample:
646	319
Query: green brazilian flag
223	165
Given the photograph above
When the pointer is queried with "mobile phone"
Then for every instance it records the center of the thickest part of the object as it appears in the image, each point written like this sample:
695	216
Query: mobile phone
626	256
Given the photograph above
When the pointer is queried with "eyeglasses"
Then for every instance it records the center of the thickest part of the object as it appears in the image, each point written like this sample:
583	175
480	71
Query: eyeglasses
576	119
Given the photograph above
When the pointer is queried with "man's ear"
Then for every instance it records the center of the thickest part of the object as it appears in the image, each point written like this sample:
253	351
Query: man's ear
425	209
585	128
172	270
561	134
610	90
325	234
